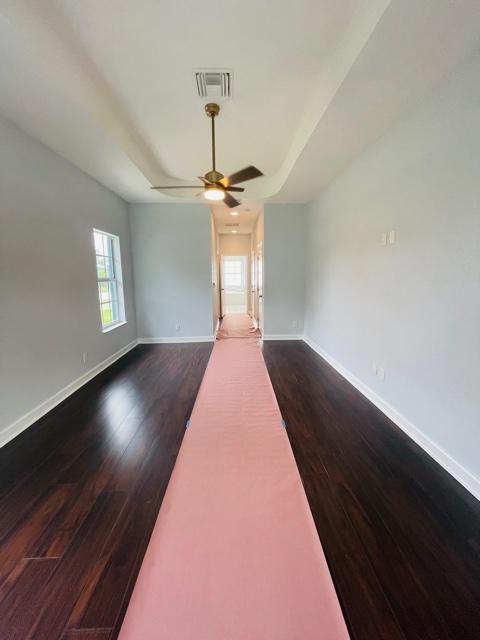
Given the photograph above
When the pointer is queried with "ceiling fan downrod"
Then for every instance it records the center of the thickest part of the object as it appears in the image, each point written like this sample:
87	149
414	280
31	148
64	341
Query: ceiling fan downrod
212	110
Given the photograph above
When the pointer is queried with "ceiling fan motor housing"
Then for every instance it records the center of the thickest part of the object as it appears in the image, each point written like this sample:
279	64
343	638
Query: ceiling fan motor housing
213	176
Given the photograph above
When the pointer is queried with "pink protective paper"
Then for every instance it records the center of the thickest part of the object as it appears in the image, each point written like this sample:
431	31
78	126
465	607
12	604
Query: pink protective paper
237	326
234	554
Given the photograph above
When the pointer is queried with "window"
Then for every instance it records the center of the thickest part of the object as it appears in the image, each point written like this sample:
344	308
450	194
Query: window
109	277
234	272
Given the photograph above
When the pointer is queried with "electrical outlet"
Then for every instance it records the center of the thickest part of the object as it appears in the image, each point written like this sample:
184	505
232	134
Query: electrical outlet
178	327
294	324
392	237
84	357
383	239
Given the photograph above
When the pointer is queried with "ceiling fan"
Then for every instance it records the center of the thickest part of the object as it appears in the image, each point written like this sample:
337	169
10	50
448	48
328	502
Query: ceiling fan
215	185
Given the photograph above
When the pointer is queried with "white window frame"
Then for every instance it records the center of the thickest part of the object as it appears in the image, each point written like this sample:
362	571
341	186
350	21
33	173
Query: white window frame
242	260
114	280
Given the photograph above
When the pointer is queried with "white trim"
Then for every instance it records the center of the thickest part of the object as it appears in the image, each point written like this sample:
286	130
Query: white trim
282	336
15	428
454	468
111	327
176	340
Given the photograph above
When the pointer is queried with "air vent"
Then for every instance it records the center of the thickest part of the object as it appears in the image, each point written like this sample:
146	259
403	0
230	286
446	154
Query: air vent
214	84
232	224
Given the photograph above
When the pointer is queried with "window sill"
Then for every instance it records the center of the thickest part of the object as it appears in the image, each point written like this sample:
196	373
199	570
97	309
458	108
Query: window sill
114	326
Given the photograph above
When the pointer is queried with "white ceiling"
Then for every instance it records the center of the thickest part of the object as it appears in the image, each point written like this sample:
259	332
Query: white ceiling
109	84
244	221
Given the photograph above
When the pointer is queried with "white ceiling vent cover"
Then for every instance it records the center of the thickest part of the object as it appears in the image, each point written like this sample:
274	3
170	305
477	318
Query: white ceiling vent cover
214	83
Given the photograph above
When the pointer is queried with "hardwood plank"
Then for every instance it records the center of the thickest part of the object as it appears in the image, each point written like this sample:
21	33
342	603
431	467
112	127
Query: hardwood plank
61	591
20	542
17	606
110	577
87	634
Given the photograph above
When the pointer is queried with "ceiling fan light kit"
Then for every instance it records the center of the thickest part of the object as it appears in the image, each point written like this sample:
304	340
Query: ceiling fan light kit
212	193
215	185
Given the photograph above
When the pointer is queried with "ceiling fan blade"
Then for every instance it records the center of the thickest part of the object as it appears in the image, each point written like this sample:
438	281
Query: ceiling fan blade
230	201
239	189
249	173
197	186
204	180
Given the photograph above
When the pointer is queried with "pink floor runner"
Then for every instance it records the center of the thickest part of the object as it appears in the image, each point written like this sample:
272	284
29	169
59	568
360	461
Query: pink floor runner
234	554
237	326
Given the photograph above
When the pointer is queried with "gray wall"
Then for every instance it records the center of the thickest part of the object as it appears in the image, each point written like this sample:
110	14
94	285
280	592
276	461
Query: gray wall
284	268
412	307
172	270
49	313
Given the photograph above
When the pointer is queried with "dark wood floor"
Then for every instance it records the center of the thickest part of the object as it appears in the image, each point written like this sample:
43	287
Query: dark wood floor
401	537
80	491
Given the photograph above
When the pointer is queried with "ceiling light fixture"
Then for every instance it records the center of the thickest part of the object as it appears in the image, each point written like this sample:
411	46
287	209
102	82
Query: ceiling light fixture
234	213
214	193
234	231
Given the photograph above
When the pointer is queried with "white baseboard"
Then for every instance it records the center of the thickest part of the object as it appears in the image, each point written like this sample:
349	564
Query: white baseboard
15	428
175	340
282	336
454	468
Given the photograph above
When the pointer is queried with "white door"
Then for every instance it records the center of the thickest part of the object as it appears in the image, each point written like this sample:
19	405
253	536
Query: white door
253	285
234	284
259	287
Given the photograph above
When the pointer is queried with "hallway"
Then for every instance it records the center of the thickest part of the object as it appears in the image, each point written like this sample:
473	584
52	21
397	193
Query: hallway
237	326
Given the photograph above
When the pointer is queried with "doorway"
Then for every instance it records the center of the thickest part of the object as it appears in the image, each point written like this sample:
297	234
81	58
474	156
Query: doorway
259	285
234	284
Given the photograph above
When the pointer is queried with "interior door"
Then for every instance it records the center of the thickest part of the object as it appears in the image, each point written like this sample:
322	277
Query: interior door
253	285
259	278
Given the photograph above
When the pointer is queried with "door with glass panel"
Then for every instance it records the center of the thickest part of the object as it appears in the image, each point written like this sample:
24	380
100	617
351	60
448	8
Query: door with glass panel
234	284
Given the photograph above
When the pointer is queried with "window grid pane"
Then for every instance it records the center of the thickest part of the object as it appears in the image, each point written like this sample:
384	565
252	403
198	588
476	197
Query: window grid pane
109	268
103	292
115	311
234	272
